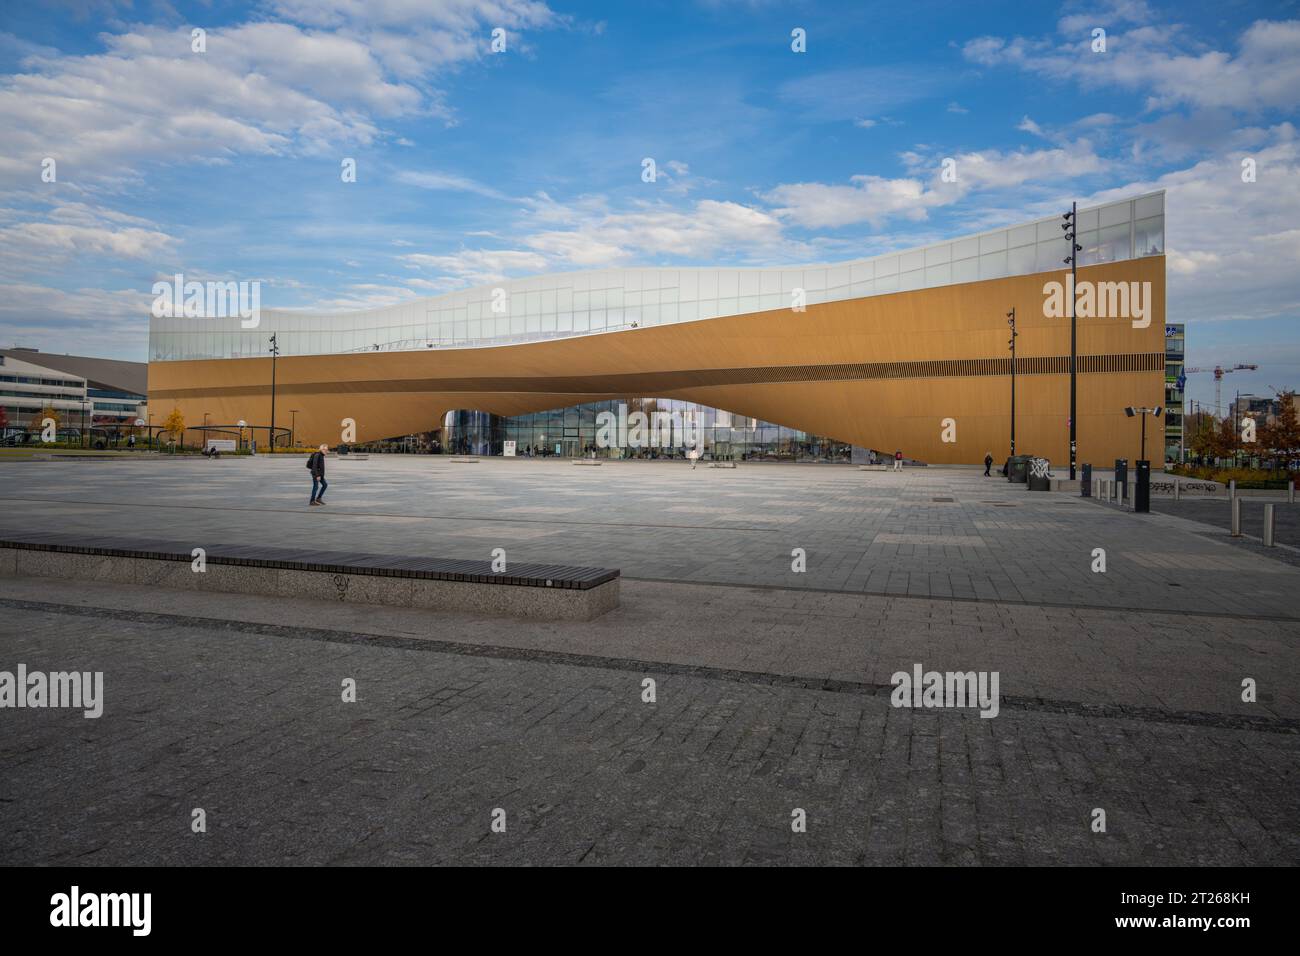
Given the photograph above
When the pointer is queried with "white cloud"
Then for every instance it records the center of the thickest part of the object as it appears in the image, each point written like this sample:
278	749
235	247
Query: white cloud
32	243
876	200
115	322
1164	64
450	182
1232	248
593	236
870	199
476	266
261	88
1027	125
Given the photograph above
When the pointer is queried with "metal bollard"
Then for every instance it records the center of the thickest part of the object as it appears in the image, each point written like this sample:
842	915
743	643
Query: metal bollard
1268	526
1290	492
1232	490
1236	517
1178	485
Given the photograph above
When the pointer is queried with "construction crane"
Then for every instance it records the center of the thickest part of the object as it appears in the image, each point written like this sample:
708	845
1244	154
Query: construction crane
1219	371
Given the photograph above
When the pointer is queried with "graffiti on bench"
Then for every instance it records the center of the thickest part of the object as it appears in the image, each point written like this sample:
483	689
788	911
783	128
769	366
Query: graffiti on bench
1188	488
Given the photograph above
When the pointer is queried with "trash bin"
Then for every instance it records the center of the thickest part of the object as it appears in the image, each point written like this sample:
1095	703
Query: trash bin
1040	474
1017	468
1085	482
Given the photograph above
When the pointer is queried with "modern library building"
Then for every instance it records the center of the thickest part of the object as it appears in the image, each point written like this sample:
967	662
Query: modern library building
908	351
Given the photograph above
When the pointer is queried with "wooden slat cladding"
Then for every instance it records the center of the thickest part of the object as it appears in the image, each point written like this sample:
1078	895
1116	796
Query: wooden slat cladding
651	383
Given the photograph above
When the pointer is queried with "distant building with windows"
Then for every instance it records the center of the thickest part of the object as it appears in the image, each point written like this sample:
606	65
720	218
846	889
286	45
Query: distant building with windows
1175	382
1259	407
101	397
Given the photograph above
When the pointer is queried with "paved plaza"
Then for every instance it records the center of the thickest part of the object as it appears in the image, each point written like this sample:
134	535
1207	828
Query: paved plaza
1120	690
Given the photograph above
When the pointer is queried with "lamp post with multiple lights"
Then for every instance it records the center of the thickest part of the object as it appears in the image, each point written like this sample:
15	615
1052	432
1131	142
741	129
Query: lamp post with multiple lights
1072	260
1011	343
1156	412
275	351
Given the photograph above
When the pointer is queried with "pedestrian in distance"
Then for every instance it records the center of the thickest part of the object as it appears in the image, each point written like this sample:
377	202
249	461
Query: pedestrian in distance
898	460
316	465
988	464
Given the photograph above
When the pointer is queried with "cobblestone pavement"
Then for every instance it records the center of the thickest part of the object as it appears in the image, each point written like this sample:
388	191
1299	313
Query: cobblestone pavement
1119	690
924	533
775	700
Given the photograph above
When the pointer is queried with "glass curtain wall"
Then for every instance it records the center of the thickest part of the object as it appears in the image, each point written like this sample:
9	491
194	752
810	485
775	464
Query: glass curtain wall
573	432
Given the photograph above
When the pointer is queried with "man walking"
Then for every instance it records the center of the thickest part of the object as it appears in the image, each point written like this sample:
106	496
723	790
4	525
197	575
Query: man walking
988	463
898	460
316	465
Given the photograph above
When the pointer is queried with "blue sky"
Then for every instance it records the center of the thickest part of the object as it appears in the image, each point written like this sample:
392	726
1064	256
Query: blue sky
473	165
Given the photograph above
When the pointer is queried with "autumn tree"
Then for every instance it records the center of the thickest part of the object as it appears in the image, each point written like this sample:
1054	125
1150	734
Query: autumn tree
1203	435
175	425
1281	436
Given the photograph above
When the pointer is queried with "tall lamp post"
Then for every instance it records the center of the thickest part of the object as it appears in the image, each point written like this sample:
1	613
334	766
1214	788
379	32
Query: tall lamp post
275	351
293	427
1130	411
1011	321
1072	260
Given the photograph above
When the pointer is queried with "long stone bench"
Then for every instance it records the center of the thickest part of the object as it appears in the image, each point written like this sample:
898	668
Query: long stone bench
539	591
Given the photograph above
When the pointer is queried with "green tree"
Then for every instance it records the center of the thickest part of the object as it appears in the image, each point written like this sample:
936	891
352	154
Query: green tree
1227	440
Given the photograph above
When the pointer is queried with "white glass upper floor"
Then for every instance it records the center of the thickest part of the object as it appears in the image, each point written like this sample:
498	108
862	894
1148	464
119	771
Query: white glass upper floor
583	303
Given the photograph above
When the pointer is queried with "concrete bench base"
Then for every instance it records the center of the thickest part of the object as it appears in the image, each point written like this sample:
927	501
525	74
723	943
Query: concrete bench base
356	585
722	464
874	467
464	461
585	461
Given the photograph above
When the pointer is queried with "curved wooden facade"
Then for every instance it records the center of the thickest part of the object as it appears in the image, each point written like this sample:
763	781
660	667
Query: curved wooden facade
881	372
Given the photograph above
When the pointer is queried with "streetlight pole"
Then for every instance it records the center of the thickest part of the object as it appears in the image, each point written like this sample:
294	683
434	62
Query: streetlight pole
293	427
1011	321
1130	411
1071	228
275	351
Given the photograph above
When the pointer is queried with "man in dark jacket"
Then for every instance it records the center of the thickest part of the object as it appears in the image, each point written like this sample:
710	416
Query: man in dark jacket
316	465
988	463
